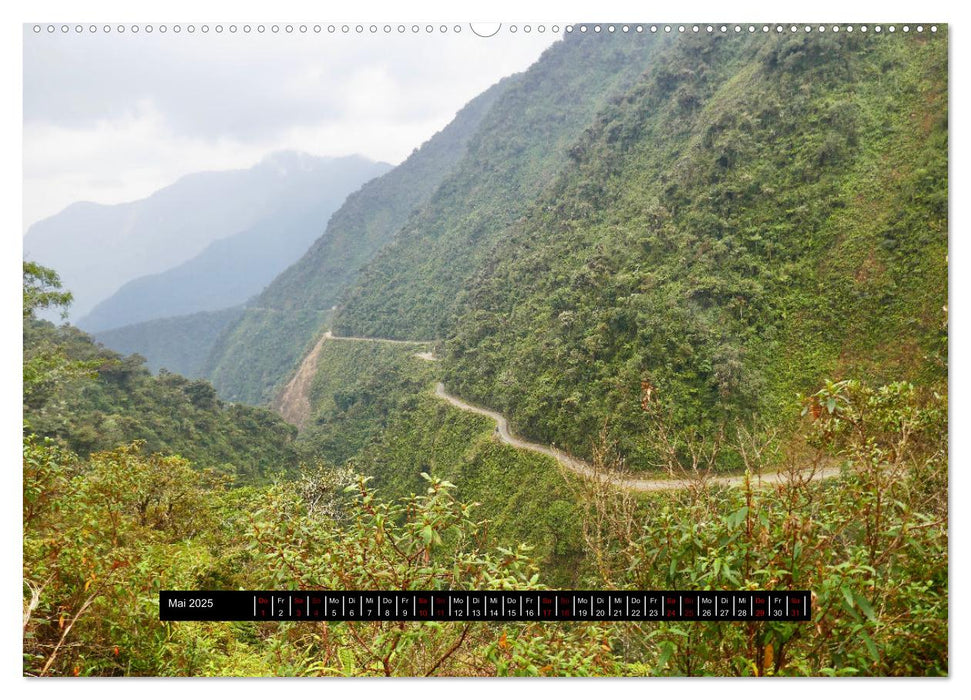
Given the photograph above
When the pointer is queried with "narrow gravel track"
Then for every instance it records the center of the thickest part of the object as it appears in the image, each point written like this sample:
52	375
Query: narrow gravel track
293	403
330	336
582	468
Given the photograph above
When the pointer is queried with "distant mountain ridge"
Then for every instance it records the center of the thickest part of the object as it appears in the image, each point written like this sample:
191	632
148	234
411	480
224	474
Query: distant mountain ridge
230	270
98	248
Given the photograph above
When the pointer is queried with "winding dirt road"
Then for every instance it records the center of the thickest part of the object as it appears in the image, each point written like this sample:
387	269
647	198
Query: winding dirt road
584	469
330	336
294	405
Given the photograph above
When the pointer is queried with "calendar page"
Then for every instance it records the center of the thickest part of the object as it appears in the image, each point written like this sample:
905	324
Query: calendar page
446	349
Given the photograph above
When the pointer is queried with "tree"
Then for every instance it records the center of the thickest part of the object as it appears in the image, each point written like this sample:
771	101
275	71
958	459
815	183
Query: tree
42	290
45	364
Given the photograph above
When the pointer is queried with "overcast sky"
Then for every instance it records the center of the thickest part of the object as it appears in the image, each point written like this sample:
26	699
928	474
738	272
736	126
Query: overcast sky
113	117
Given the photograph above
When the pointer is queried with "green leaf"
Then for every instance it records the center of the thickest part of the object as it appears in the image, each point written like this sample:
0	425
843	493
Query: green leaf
667	649
871	646
865	607
346	658
737	518
848	595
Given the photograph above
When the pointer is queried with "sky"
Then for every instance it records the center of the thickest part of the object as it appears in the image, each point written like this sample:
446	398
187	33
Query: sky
112	117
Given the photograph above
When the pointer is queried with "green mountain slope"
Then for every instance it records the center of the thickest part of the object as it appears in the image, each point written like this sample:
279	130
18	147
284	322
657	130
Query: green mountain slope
179	344
410	289
756	214
254	355
123	402
375	411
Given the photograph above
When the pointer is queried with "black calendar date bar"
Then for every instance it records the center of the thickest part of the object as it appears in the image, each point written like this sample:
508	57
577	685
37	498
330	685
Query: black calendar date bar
486	606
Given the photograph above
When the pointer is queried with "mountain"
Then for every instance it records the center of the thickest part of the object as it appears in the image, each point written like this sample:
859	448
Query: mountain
116	401
467	182
231	270
646	216
98	248
411	288
179	344
255	354
754	216
704	226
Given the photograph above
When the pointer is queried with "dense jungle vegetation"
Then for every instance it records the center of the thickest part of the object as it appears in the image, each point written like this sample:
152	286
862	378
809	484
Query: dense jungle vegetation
89	399
103	533
374	414
408	290
754	215
180	344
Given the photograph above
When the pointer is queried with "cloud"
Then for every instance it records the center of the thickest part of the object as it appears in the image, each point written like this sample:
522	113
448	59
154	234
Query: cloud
112	117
